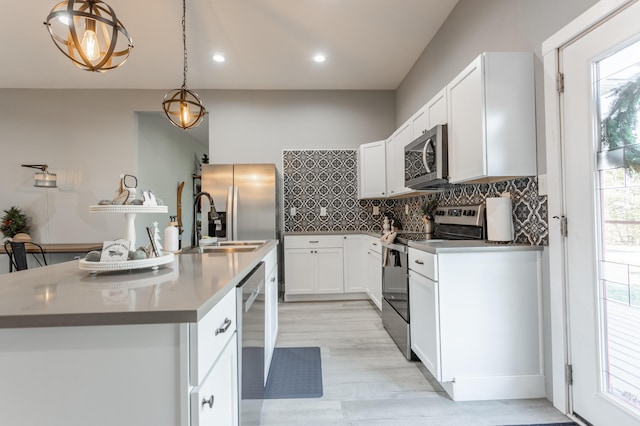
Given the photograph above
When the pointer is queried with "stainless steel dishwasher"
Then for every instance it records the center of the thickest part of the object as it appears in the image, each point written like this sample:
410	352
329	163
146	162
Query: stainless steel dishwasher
251	338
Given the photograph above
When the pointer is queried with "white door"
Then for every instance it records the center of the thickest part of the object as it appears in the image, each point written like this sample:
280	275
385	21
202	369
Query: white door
602	195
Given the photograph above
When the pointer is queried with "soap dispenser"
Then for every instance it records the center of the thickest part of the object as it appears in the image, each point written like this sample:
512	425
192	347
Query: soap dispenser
171	236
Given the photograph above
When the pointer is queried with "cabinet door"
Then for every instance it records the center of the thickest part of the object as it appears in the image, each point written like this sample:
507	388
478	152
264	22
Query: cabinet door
355	263
395	159
436	109
215	401
329	270
271	322
467	158
420	122
425	322
300	271
372	178
374	277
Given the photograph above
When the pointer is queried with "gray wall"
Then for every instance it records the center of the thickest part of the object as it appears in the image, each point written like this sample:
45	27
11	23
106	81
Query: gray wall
167	156
477	26
255	126
90	137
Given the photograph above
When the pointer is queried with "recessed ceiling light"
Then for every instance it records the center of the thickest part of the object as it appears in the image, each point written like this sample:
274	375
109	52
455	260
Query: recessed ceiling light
319	58
218	58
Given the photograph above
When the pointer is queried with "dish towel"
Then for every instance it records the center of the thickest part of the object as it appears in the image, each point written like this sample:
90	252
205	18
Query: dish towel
387	238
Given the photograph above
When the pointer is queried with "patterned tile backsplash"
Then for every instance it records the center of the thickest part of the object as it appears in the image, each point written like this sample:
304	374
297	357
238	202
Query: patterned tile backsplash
317	179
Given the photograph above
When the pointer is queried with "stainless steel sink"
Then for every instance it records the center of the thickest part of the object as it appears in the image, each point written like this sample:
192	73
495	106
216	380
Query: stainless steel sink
232	246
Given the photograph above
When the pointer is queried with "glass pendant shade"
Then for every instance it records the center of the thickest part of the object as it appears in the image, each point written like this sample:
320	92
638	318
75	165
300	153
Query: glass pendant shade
89	33
183	108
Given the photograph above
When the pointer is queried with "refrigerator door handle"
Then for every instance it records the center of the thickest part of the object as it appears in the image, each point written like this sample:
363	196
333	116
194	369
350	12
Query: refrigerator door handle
230	218
235	212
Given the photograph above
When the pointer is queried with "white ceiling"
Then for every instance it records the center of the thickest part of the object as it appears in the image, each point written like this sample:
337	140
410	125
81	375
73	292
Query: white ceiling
370	44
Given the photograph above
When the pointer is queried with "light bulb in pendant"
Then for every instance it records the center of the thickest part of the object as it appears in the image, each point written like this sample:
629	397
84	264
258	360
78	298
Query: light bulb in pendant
184	113
89	43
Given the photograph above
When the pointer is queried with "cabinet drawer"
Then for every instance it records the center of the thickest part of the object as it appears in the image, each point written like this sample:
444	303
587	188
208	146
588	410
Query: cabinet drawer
423	263
208	336
215	401
375	245
312	241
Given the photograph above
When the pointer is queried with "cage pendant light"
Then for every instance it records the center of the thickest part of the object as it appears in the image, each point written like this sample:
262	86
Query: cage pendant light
183	106
89	33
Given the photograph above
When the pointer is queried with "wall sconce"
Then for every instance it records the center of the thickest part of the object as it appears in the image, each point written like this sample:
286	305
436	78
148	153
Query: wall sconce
43	179
88	33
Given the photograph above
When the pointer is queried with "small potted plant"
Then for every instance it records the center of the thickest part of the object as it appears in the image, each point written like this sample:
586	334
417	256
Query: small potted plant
14	222
428	207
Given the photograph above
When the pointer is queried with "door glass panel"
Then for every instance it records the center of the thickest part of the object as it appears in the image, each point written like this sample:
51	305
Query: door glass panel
618	94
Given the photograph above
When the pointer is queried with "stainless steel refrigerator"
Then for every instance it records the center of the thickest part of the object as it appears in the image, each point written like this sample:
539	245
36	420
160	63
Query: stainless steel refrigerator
244	196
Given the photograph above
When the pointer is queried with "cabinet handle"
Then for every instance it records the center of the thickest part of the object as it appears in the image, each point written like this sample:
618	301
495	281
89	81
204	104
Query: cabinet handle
208	401
375	244
314	242
225	326
273	279
419	262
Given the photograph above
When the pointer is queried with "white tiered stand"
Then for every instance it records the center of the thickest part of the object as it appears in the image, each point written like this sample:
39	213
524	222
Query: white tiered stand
130	212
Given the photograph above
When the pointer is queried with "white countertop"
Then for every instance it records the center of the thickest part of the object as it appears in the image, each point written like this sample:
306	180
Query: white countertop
181	291
452	246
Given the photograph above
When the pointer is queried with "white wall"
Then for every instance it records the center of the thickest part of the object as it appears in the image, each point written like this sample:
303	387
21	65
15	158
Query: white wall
90	137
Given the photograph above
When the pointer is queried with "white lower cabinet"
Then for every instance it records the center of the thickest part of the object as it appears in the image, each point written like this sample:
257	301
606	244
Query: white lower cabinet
374	271
331	267
425	322
215	401
476	321
313	265
271	313
355	263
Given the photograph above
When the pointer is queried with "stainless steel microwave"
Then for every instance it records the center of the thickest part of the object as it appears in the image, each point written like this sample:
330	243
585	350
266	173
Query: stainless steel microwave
426	160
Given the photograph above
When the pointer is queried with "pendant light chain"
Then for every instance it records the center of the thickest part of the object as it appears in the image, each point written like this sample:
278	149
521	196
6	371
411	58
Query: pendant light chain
184	42
183	107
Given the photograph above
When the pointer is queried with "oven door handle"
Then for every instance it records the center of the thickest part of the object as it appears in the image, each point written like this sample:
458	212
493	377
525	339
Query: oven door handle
399	247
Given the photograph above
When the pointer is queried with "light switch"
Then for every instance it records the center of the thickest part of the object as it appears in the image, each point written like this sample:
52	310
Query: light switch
293	211
376	210
323	211
406	209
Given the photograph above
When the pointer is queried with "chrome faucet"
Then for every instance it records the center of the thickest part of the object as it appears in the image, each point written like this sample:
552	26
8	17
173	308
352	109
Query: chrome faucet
211	216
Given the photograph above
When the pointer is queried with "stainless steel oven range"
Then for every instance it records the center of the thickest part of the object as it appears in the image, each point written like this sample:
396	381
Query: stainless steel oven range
452	223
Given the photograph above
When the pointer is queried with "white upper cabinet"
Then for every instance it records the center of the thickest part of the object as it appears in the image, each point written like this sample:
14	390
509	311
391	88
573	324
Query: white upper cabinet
431	114
395	159
372	177
437	109
491	118
420	122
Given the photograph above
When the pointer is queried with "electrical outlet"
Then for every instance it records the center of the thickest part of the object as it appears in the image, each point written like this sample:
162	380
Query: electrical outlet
293	211
376	210
323	211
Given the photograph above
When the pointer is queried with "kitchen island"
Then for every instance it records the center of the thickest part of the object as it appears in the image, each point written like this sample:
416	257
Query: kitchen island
122	348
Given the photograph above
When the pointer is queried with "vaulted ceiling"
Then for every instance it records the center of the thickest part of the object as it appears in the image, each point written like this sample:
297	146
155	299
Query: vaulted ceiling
268	44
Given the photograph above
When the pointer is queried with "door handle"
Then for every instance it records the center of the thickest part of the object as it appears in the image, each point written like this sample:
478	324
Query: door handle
208	402
224	327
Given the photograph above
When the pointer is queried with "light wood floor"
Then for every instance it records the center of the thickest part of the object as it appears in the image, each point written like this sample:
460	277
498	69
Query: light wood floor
367	381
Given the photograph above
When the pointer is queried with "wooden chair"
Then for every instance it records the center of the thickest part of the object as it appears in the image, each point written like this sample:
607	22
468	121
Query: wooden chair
17	252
